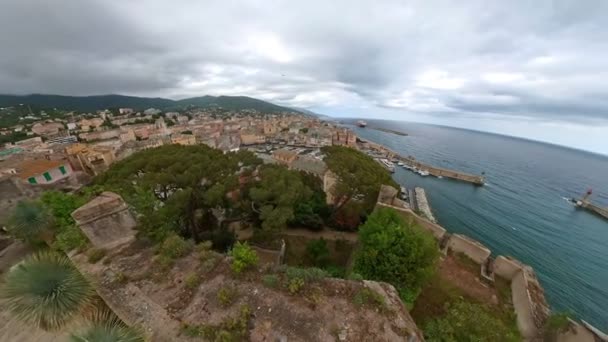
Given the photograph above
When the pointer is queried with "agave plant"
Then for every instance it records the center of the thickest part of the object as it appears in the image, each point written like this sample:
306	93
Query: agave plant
30	222
106	327
47	291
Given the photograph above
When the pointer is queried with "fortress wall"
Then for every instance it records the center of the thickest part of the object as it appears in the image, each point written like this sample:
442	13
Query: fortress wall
506	267
522	306
469	247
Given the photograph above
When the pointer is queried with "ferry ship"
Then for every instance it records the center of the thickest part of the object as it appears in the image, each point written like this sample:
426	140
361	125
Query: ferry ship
361	123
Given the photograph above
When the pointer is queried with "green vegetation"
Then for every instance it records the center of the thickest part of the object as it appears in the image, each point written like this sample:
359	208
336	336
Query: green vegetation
192	280
46	291
227	295
318	253
556	323
394	251
359	181
31	222
276	195
367	296
95	254
176	189
174	247
232	329
107	327
466	321
297	278
271	281
243	257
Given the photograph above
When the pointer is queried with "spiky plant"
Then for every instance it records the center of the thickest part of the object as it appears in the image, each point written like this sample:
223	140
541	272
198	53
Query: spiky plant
106	327
30	221
47	291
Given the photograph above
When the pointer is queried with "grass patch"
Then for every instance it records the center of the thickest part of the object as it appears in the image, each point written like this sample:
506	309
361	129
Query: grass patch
227	295
95	254
271	281
192	280
232	329
467	263
297	277
369	297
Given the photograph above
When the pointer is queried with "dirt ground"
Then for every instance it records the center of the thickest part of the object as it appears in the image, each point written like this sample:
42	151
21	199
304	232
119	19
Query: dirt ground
163	300
463	277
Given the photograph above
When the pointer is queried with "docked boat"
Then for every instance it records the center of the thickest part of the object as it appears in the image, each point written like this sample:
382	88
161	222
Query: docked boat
400	163
423	173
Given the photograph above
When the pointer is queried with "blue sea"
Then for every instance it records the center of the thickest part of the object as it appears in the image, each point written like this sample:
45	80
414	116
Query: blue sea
523	209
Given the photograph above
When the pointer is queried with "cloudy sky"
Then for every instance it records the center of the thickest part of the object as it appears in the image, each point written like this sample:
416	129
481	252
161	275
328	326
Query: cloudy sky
537	69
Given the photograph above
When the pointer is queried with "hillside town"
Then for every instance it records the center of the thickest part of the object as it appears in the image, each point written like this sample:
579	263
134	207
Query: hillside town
90	142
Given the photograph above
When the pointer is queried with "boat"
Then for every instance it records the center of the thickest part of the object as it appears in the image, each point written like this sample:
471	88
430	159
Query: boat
440	177
423	173
361	123
400	163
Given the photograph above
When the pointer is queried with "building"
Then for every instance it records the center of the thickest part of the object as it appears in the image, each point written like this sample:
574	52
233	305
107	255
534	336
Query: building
125	110
183	139
68	139
43	171
90	159
48	129
88	124
285	157
344	137
252	138
152	111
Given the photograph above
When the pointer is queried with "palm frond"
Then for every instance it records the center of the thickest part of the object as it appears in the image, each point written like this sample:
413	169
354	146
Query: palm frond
106	327
29	221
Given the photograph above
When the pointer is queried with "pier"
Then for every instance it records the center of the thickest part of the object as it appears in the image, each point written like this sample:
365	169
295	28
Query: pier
585	203
412	162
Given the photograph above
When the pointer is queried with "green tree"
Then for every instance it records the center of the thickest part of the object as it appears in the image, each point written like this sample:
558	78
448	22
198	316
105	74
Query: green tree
31	222
243	257
359	177
47	291
468	322
396	252
275	196
318	253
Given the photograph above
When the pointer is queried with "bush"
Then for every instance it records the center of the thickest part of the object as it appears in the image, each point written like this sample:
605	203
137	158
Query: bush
295	285
96	254
174	246
468	322
221	239
395	252
231	329
69	238
226	296
192	280
243	257
298	277
317	252
271	280
367	296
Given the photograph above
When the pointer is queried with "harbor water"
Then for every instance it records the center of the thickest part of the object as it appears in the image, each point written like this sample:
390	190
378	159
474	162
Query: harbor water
523	210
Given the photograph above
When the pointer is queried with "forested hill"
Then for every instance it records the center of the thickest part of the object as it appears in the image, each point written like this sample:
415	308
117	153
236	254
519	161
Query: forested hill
91	103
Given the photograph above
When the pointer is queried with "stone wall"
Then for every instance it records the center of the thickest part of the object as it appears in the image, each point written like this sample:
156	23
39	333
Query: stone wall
469	247
106	220
528	297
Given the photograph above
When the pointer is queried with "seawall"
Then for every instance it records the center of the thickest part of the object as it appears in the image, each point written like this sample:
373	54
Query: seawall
529	303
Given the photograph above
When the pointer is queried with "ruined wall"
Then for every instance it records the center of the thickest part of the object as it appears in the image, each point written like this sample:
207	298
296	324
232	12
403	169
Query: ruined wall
469	247
106	220
522	305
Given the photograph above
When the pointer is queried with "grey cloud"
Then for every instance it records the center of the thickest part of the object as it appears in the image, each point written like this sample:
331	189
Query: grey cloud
431	57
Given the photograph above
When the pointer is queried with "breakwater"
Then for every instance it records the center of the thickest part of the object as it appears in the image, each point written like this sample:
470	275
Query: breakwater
386	130
413	163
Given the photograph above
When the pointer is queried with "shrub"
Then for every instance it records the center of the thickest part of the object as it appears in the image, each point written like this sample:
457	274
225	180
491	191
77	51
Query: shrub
355	276
46	291
96	254
174	246
317	252
30	222
395	252
69	238
294	285
468	322
243	257
298	277
192	280
231	329
271	280
226	296
367	296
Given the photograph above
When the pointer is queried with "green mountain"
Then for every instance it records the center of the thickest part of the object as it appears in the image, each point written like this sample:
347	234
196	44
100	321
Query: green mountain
91	103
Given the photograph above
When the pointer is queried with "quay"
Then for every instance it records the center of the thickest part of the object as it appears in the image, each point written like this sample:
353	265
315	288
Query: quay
413	163
585	203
